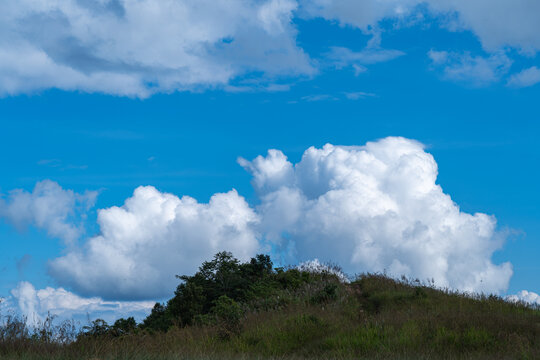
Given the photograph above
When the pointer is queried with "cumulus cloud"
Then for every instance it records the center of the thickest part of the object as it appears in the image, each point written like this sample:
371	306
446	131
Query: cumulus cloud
376	208
153	237
315	266
475	70
36	305
525	296
367	208
136	48
48	207
525	78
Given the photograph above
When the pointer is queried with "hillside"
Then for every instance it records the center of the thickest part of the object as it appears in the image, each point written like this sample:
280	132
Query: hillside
251	310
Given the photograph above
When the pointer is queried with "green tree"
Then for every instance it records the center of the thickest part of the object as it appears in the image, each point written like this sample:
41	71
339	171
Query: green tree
124	326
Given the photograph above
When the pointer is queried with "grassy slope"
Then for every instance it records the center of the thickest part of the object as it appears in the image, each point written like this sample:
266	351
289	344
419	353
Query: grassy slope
375	317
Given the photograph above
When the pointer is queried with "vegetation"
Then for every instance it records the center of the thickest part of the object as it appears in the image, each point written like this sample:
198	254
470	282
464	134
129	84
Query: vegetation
235	310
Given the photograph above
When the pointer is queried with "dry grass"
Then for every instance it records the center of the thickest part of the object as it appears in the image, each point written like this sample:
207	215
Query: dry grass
374	318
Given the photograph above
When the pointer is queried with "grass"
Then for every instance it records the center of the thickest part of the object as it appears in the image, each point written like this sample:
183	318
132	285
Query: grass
374	317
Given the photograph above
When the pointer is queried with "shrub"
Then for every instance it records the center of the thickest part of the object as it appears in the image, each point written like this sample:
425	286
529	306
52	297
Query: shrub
228	314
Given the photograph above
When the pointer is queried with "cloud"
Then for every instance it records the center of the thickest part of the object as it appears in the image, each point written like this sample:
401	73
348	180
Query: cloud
48	207
510	23
137	48
525	78
370	208
318	97
359	95
360	14
528	297
475	70
376	208
153	237
315	266
35	305
342	57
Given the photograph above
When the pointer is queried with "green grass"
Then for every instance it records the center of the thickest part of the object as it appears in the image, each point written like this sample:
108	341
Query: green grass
374	317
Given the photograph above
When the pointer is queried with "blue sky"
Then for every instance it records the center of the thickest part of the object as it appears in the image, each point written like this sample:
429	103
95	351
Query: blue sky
174	106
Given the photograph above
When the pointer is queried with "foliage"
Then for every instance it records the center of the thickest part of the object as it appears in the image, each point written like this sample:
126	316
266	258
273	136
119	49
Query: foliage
224	276
228	314
232	310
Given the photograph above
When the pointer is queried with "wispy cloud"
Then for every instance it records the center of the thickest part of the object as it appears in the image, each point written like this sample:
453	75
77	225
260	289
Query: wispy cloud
319	97
344	57
359	95
525	78
50	162
466	68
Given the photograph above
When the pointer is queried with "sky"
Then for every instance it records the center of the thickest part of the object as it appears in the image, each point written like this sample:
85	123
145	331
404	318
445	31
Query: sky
139	138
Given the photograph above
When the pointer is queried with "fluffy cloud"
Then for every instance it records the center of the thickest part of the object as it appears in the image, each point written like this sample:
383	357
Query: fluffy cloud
376	208
35	305
136	48
367	208
510	23
315	266
153	237
476	70
525	296
48	207
140	47
525	78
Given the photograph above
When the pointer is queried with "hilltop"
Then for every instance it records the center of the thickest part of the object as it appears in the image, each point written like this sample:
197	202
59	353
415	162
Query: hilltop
230	309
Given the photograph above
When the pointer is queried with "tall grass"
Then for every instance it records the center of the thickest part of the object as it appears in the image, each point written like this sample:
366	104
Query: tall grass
374	317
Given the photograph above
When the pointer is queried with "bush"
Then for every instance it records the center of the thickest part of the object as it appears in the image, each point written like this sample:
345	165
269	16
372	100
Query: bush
228	314
224	276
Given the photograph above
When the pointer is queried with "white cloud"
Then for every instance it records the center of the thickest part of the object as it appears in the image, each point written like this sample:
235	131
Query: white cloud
497	23
315	266
359	95
136	48
476	70
318	97
358	69
35	305
525	78
48	207
342	57
153	237
367	208
525	296
361	14
376	208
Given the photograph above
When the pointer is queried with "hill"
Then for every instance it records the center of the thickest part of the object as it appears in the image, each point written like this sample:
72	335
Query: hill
230	309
